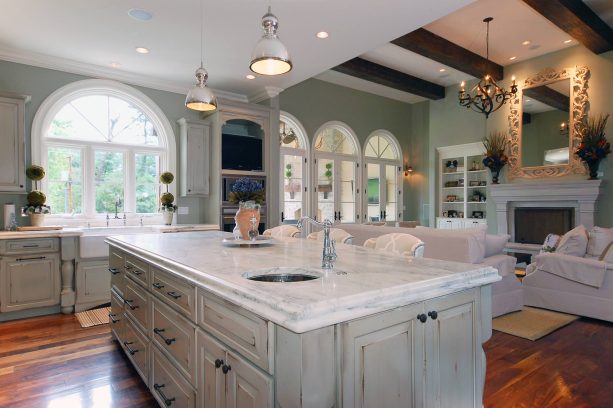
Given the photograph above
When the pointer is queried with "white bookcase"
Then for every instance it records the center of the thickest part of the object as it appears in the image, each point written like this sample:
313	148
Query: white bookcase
462	188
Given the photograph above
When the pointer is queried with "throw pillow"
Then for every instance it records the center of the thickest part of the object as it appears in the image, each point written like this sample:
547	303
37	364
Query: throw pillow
574	242
607	255
599	239
550	244
494	244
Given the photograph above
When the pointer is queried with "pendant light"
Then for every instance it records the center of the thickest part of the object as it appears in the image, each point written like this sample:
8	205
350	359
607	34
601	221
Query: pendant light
200	97
270	57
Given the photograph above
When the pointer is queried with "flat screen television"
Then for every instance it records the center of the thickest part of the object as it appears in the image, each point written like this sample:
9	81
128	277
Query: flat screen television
241	153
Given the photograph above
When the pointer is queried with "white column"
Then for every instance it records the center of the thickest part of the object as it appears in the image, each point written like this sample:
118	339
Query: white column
68	255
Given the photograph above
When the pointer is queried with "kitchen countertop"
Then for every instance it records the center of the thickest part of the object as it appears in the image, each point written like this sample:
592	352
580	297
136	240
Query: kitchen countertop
374	281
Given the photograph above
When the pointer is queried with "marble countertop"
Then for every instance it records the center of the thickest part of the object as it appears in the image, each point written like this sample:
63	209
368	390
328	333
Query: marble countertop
374	281
114	230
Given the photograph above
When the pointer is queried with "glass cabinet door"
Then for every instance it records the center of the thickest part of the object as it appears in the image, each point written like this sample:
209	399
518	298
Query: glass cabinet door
373	192
391	192
292	203
326	208
346	209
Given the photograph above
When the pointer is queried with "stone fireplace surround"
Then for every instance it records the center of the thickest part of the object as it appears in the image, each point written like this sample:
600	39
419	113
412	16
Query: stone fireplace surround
582	195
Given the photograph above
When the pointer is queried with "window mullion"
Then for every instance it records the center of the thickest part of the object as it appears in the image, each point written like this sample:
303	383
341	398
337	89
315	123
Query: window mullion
129	181
89	186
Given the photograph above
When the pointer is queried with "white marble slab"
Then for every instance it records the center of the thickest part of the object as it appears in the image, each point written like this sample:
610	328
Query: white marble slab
375	281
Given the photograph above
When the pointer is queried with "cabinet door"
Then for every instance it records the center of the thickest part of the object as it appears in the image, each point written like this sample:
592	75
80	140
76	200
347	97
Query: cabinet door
247	387
196	153
383	360
211	380
30	282
93	282
12	134
451	351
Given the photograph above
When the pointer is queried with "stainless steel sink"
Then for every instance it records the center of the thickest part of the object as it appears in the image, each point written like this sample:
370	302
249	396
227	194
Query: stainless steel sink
283	274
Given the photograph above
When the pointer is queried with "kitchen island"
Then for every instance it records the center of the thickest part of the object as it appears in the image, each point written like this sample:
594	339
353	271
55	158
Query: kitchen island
376	331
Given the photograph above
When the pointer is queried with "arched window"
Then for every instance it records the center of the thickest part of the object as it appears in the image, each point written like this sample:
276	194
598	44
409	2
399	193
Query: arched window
336	177
104	145
382	165
294	163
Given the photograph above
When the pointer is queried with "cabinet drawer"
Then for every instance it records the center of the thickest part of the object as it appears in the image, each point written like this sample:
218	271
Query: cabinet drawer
137	270
177	336
116	316
136	302
167	385
29	246
240	329
116	269
180	295
136	346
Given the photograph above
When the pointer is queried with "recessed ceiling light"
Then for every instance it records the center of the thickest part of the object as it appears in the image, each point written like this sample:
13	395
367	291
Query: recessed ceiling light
142	50
512	58
115	65
322	34
250	76
140	14
526	43
568	41
442	70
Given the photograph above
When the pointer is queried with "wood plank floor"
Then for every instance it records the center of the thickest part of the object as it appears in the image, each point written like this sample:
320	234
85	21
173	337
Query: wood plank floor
51	362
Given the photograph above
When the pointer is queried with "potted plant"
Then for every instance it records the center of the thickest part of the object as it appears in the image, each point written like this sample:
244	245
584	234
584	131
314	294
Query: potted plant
594	145
168	208
249	195
292	186
495	157
326	188
36	208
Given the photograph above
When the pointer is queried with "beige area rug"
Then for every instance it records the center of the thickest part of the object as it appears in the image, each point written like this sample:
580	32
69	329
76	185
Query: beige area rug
532	323
94	317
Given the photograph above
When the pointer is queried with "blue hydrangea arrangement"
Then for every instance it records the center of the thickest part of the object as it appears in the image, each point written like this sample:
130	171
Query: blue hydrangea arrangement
246	189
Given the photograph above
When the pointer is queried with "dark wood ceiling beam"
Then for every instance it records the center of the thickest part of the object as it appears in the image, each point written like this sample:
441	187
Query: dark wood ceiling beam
549	97
436	48
370	71
578	20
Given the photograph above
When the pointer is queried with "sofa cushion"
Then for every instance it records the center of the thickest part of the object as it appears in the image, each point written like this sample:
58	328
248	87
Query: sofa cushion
607	254
494	244
599	239
574	242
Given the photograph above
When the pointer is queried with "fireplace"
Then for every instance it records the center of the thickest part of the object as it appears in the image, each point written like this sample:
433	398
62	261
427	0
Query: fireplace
532	224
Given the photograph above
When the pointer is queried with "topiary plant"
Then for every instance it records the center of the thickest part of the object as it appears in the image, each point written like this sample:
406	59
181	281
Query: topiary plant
35	172
167	177
36	198
288	171
328	172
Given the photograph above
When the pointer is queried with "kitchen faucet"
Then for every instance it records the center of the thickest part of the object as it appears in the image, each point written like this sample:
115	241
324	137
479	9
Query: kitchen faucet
329	250
117	204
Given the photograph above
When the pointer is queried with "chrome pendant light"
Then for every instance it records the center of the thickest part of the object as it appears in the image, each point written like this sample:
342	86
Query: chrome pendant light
270	57
200	97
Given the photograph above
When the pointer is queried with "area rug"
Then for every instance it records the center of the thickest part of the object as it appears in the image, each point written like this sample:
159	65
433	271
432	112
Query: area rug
93	317
532	323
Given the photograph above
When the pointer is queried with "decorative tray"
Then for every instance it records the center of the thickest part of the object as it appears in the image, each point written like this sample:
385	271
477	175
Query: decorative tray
260	240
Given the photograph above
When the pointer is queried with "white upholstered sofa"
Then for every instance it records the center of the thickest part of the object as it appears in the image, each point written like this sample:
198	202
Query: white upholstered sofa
470	246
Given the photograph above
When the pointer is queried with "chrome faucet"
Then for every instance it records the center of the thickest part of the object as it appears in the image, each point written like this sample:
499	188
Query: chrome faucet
117	204
329	251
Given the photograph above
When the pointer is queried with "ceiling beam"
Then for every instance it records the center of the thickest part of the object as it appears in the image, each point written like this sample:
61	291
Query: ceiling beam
578	20
436	48
370	71
549	97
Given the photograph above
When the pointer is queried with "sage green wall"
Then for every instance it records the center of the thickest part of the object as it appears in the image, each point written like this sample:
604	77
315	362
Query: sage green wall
40	83
450	124
314	102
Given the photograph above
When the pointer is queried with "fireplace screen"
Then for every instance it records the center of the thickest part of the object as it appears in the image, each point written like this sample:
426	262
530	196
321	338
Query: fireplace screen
533	224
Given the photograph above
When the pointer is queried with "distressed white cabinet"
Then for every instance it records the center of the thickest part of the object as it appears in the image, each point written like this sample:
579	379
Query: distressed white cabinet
12	134
93	284
195	158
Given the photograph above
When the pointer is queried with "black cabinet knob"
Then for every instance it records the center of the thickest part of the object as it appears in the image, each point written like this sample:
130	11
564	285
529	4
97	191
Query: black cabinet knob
218	363
433	314
226	368
422	317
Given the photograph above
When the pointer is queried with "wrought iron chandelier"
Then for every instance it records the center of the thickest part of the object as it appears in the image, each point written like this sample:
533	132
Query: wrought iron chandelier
487	96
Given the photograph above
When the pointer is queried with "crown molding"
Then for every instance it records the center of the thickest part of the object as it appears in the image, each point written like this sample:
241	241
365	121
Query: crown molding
267	93
96	71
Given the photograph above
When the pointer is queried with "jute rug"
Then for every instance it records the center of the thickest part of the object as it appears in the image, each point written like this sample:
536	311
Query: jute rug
532	323
93	317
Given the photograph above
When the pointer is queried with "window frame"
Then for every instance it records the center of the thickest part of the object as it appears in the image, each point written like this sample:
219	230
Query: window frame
304	151
166	149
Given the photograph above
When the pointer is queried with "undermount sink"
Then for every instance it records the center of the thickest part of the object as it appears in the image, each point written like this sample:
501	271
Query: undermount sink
283	274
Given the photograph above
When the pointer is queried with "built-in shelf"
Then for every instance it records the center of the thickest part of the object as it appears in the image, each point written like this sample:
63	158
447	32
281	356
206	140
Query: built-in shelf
477	171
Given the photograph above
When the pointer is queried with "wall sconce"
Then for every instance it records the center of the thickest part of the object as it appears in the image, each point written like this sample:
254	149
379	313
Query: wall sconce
407	169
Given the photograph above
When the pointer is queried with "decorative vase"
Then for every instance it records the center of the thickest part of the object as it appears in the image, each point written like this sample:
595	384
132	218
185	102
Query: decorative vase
167	215
592	165
495	173
37	220
246	211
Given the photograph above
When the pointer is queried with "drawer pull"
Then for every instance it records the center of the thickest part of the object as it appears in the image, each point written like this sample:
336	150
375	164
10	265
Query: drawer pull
113	271
166	340
130	350
30	259
218	363
158	389
158	285
173	295
30	246
226	368
111	316
130	305
137	272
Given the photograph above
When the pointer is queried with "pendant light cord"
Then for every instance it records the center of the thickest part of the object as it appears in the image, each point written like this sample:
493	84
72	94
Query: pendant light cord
201	33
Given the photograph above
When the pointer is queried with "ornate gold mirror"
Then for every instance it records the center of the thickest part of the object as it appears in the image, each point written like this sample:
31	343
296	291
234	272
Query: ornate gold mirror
546	122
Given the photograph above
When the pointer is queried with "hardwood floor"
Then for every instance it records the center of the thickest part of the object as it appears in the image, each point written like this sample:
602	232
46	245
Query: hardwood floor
51	362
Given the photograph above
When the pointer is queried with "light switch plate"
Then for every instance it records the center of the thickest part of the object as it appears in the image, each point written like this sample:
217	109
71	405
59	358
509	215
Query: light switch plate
183	210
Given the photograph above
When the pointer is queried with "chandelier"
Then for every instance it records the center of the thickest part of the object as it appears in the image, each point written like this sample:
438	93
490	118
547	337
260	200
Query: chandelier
487	96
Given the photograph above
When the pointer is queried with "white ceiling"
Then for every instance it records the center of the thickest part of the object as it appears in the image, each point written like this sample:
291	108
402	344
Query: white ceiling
87	36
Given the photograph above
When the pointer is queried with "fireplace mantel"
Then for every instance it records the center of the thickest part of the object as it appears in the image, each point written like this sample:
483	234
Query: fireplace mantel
582	195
